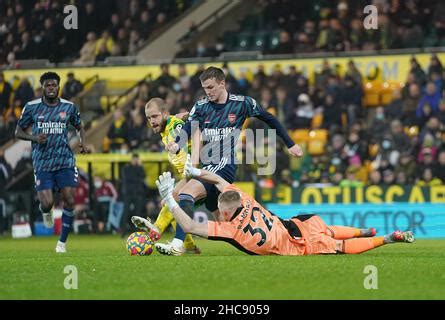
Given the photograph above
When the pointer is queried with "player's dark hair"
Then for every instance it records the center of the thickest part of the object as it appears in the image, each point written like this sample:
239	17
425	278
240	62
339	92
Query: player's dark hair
229	196
49	76
212	73
159	102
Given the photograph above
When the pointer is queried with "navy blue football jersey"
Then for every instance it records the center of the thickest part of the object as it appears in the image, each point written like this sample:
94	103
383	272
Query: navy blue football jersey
221	124
53	121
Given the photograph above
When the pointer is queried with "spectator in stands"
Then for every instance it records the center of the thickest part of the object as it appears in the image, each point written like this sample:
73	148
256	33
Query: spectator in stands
388	177
375	178
105	43
285	45
72	87
410	103
5	93
118	132
135	42
431	98
104	194
81	195
133	191
102	53
418	72
352	99
300	116
121	44
88	51
400	140
136	131
5	173
332	113
355	149
24	93
439	169
395	108
165	79
435	65
427	179
407	165
351	179
441	114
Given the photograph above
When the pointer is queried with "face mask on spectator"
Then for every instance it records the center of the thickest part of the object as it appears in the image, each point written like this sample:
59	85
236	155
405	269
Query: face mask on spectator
386	144
177	87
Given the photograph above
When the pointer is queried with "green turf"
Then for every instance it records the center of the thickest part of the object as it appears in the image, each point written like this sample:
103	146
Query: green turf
30	269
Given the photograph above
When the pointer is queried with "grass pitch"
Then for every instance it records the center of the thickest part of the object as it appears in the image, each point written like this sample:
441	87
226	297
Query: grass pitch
30	269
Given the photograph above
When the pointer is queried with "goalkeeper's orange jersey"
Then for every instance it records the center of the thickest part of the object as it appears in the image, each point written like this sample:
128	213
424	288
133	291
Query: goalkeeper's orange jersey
255	230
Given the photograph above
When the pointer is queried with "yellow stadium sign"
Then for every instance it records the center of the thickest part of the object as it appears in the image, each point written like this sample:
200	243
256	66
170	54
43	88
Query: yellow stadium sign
391	68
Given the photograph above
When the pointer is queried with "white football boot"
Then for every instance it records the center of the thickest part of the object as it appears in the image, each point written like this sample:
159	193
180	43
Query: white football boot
60	247
170	248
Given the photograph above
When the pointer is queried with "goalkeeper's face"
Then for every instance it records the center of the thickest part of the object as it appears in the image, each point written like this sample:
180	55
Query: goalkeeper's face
50	89
156	119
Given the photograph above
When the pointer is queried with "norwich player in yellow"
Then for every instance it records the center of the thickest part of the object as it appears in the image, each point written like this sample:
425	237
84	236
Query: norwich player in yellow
168	127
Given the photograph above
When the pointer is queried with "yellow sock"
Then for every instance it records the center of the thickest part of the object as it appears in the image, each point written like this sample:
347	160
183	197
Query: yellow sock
189	243
164	219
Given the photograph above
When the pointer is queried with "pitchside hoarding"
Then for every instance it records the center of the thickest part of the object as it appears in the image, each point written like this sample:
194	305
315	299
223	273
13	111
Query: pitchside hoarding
426	220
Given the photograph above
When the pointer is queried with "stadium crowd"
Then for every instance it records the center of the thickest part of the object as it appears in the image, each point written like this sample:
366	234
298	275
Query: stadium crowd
401	142
34	29
286	27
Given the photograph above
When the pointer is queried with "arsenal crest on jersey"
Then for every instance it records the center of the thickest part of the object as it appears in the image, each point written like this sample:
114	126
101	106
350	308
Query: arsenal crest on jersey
232	117
62	115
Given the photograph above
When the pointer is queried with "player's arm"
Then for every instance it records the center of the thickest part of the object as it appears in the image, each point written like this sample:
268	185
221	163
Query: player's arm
204	175
188	129
24	122
165	185
255	110
80	130
182	115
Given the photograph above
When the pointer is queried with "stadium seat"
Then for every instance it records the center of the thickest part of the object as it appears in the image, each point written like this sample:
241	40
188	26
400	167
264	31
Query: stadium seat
317	121
243	41
372	93
259	40
300	136
274	40
316	147
319	134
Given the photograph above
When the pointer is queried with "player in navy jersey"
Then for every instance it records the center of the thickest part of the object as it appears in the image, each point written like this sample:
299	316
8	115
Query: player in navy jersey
220	116
52	158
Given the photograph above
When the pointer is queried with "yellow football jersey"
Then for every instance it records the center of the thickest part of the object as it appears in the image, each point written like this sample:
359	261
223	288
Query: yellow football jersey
172	129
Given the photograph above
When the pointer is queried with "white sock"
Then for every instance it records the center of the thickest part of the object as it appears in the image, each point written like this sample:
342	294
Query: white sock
60	243
177	243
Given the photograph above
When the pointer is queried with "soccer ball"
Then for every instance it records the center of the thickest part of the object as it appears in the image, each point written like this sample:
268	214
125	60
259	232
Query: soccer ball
139	244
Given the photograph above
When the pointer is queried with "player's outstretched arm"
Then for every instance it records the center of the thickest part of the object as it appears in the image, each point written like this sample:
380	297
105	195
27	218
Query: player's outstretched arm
293	148
166	184
204	175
